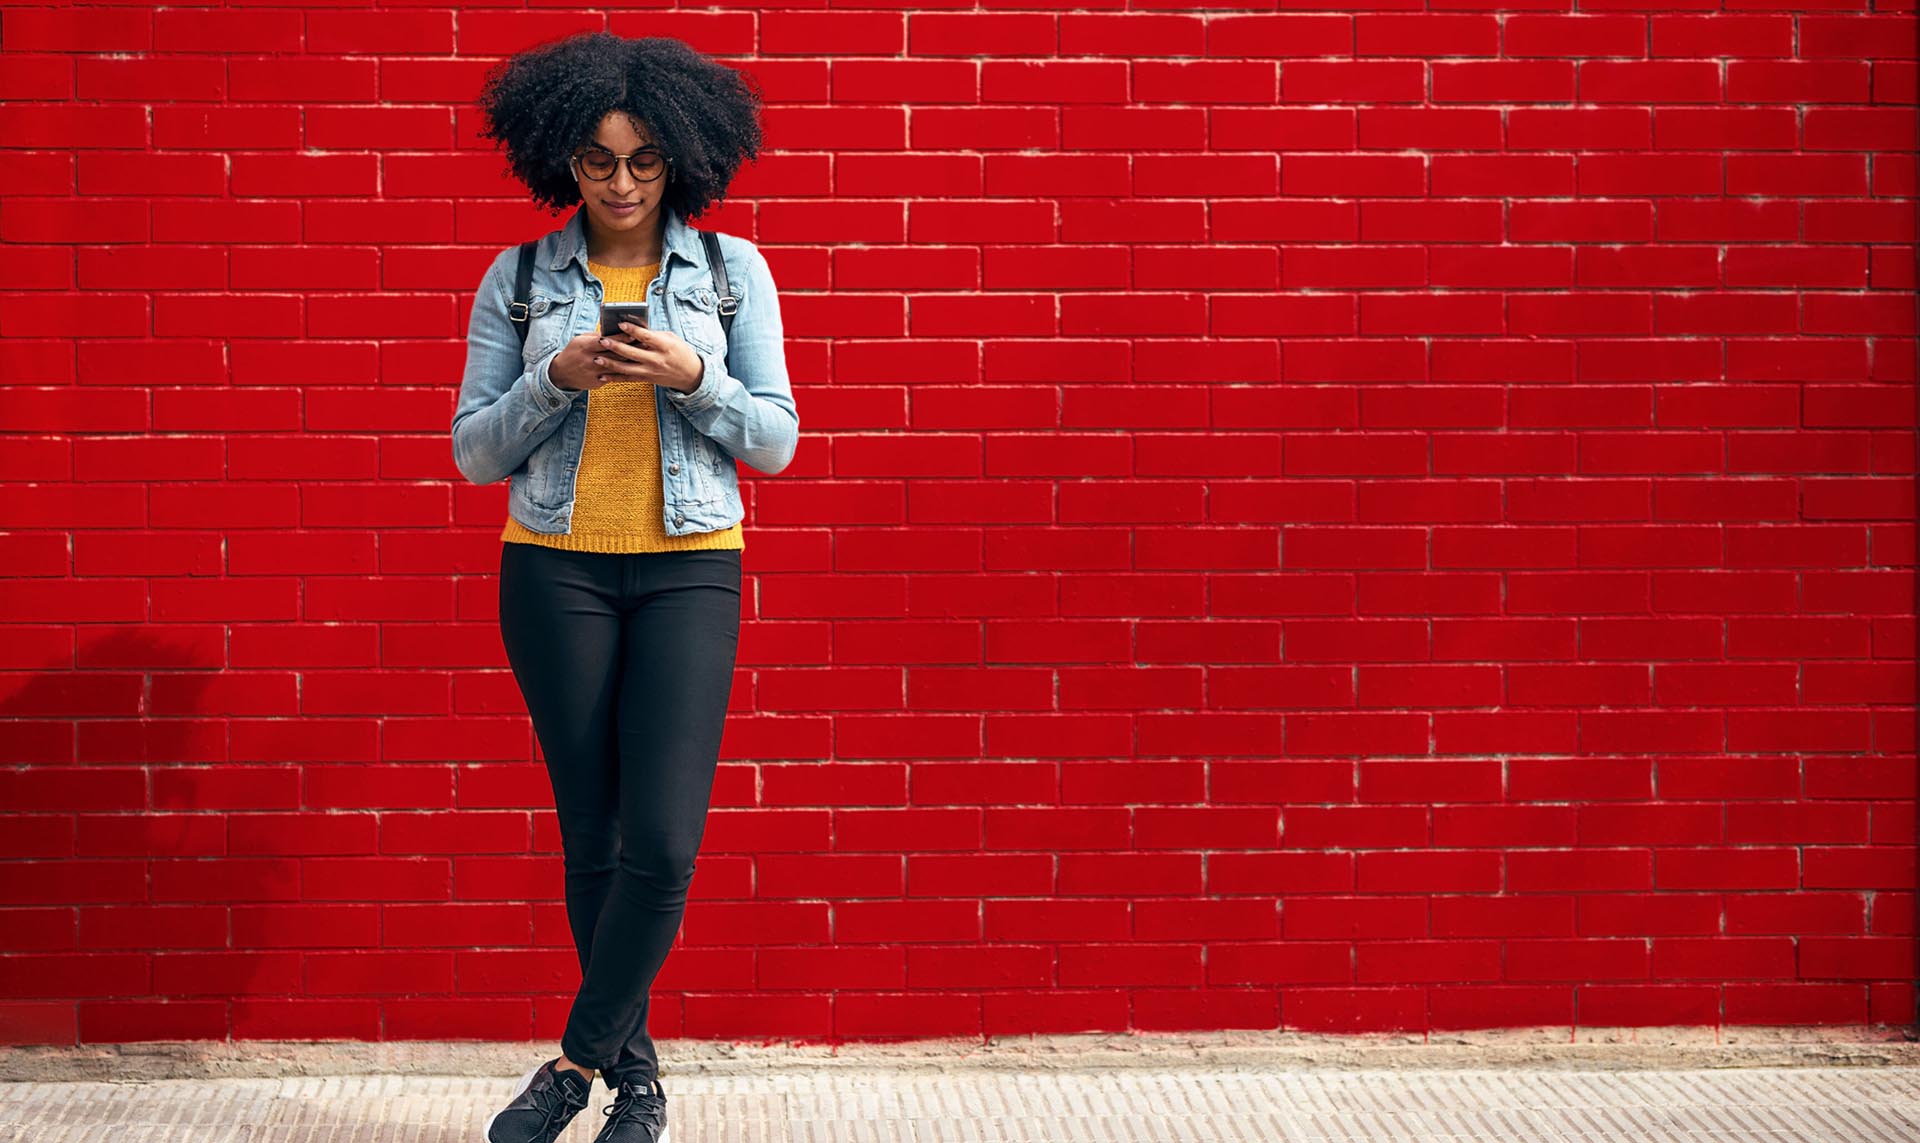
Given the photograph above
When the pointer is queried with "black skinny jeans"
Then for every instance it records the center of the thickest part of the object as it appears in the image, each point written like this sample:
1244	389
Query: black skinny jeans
626	662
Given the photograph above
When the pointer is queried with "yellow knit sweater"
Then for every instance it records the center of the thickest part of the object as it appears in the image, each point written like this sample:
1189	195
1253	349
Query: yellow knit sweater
619	504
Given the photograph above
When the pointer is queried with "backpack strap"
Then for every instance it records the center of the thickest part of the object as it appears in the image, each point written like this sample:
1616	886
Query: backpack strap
522	290
728	302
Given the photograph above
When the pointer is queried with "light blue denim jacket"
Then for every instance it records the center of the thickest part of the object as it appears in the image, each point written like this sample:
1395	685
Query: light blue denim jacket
512	421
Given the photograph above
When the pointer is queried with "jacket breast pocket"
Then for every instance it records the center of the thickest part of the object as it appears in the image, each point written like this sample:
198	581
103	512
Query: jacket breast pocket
549	323
699	311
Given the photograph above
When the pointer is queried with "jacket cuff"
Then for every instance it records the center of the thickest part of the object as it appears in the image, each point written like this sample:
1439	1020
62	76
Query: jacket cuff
708	394
551	397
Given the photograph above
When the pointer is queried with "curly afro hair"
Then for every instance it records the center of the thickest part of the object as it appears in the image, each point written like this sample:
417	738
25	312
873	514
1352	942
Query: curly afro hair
542	104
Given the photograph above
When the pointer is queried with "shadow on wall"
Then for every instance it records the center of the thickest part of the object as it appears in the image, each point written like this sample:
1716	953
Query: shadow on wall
166	886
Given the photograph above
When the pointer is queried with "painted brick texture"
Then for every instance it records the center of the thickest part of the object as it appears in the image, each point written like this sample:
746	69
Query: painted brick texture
1327	519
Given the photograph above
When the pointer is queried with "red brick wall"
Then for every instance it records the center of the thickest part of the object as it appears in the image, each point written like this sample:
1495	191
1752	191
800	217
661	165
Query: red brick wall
1324	519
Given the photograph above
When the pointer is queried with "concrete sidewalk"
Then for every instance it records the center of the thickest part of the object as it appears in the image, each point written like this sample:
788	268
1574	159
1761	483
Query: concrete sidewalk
1779	1085
1136	1104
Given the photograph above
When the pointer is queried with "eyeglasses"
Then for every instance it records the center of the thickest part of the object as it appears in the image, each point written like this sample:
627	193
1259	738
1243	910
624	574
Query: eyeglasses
645	165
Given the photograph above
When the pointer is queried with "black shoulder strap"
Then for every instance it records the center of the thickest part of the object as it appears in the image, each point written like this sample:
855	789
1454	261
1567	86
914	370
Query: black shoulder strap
522	290
728	302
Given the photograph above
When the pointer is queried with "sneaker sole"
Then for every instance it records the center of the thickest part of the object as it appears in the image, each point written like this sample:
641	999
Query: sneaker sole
526	1081
663	1134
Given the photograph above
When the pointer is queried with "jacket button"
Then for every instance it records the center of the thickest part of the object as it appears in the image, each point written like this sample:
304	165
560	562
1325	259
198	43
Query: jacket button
674	468
679	519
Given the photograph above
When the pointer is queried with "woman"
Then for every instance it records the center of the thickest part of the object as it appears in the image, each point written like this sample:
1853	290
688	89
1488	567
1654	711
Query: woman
620	567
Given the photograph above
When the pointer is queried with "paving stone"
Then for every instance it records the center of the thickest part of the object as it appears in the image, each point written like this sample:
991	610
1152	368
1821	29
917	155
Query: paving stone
1122	1105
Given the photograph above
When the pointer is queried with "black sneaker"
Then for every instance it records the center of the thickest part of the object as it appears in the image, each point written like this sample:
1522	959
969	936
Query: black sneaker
638	1114
543	1104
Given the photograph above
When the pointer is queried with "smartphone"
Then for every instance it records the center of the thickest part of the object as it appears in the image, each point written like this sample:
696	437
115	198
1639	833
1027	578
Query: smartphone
613	313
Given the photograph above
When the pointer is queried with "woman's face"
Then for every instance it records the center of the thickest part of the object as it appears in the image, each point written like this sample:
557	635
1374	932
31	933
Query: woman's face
620	135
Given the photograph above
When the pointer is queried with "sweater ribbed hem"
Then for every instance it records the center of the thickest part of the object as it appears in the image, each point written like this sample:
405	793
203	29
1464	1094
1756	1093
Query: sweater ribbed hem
732	536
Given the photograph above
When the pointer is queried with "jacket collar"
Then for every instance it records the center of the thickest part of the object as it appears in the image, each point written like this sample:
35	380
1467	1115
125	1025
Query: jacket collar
677	239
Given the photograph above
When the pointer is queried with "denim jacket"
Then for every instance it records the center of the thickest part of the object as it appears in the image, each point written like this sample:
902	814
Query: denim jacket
512	421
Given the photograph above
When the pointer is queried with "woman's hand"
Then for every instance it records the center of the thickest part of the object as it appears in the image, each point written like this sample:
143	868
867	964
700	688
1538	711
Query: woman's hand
638	354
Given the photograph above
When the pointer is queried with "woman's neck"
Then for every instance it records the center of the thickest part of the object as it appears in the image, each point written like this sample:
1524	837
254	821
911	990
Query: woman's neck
633	253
